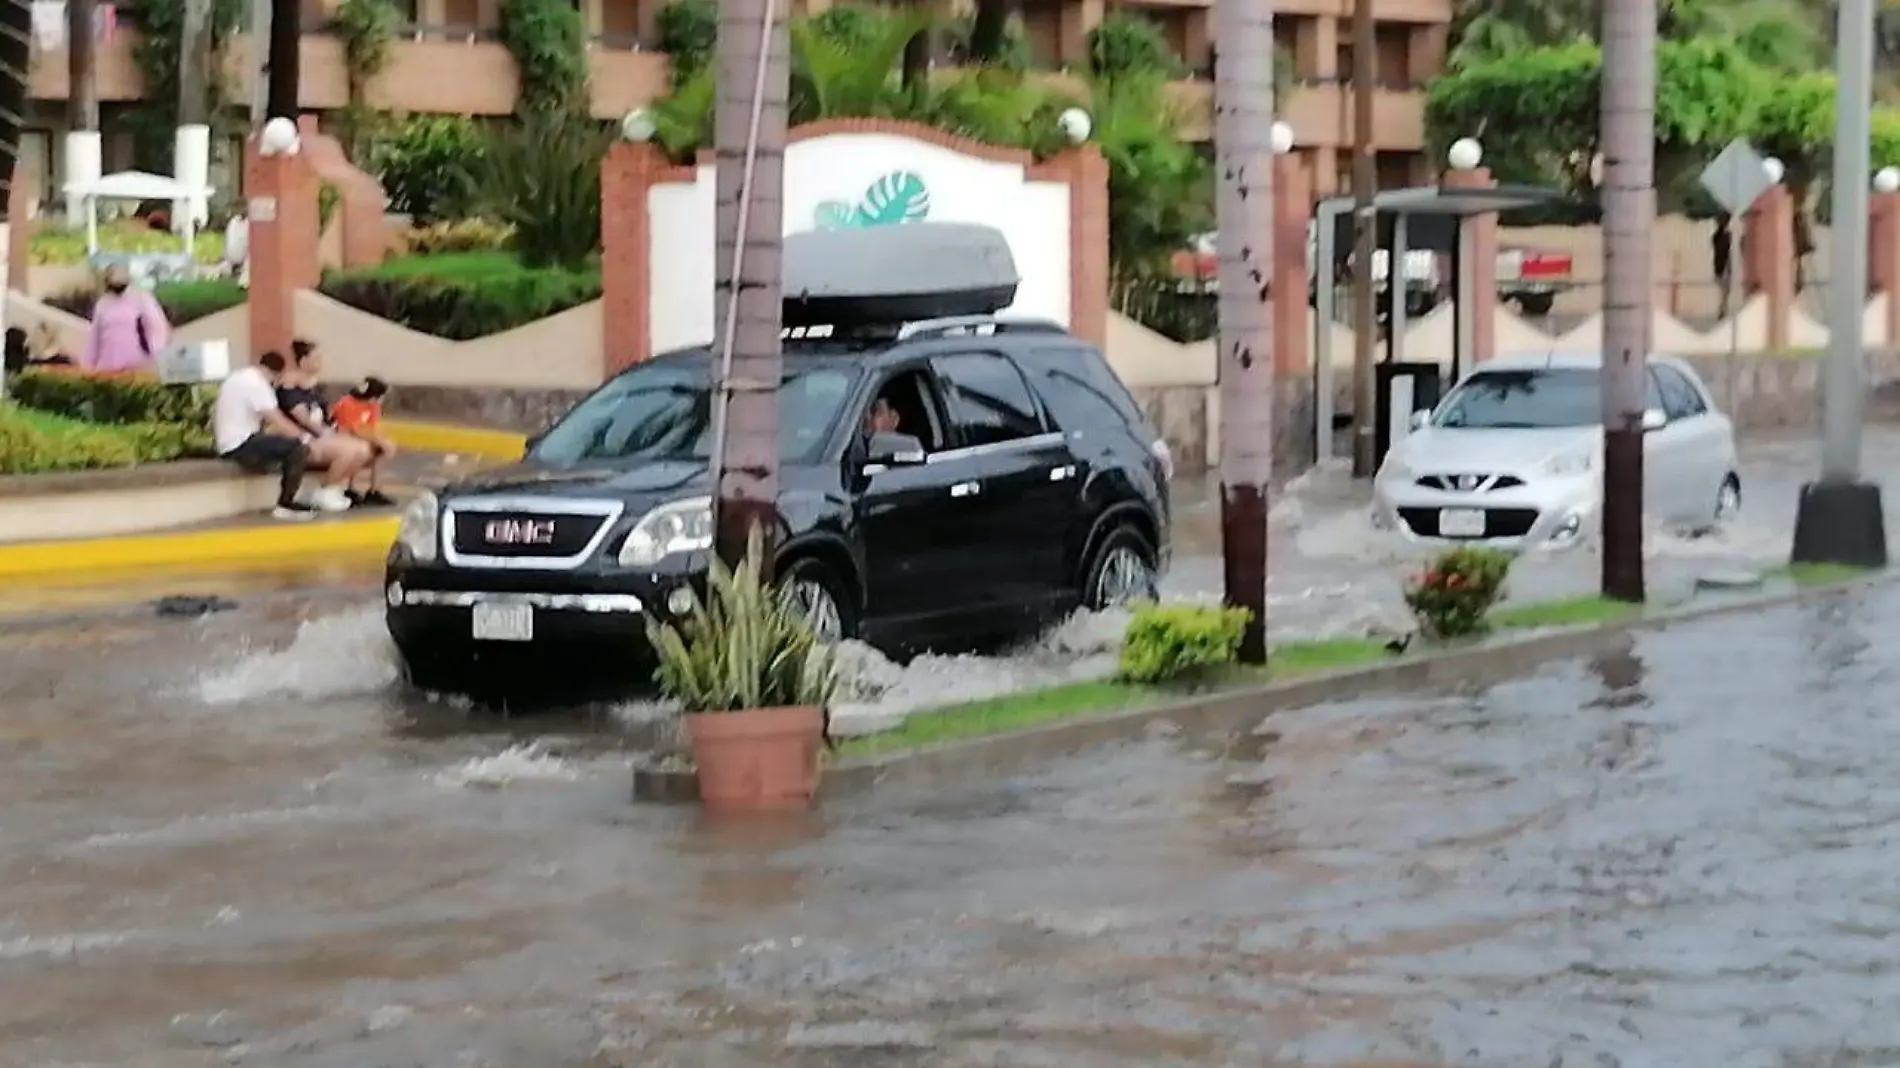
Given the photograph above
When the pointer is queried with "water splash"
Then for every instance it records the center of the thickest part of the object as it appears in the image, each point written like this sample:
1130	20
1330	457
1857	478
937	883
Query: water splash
343	655
530	761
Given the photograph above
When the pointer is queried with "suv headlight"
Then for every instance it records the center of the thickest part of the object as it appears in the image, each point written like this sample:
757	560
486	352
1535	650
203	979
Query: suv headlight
680	527
420	530
1574	463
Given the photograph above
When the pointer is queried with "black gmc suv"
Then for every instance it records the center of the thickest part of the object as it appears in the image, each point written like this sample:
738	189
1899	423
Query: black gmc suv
945	481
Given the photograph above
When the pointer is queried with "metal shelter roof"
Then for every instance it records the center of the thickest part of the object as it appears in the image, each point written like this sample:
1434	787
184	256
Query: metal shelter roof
1432	212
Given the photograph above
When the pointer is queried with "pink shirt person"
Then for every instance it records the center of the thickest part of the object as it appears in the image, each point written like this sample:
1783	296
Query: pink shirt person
112	343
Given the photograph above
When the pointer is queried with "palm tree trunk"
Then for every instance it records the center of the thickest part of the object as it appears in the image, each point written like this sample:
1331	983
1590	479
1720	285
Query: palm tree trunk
1628	120
16	54
1243	146
82	94
749	132
286	35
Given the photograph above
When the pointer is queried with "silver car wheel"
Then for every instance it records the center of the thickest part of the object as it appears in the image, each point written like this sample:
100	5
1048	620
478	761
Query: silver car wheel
814	604
1124	577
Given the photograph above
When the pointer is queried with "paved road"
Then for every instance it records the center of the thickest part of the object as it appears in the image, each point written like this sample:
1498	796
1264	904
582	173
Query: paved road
228	842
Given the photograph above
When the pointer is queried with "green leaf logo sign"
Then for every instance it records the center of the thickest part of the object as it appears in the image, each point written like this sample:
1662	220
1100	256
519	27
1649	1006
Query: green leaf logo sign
897	198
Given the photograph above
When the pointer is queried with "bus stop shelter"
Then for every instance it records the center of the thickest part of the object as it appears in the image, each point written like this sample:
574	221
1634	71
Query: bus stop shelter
1424	218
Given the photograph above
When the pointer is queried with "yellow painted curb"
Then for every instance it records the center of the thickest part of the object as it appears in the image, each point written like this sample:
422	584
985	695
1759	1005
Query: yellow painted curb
460	440
200	547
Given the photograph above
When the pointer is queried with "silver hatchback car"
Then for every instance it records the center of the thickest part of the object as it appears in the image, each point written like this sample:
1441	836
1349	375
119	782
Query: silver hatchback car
1513	457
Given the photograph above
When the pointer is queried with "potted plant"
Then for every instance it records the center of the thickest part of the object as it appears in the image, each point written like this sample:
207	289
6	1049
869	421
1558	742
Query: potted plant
1453	597
754	686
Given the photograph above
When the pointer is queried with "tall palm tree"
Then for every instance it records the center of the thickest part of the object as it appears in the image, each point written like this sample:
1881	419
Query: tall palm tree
16	54
82	90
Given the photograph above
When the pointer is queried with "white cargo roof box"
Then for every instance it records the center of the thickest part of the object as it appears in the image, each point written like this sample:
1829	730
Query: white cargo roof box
897	274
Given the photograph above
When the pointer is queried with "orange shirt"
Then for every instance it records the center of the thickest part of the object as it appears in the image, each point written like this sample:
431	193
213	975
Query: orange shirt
356	416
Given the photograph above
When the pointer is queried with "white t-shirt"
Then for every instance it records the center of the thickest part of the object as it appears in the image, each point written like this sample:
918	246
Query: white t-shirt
243	401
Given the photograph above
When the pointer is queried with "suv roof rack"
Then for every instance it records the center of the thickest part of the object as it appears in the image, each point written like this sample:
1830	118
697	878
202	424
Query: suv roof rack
975	325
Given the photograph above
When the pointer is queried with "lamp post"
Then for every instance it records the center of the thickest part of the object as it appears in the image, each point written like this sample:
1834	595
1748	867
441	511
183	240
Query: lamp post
1840	519
1465	156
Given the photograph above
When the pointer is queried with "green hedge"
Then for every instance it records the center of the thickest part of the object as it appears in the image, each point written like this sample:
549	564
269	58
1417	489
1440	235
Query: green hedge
183	301
113	400
36	442
461	296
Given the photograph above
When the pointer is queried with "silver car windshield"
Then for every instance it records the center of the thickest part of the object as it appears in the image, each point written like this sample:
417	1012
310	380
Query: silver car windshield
1534	399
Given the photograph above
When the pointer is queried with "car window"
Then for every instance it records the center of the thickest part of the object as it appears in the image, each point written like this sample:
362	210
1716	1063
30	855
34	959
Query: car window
663	411
1081	391
909	406
1537	398
1680	397
989	401
1653	394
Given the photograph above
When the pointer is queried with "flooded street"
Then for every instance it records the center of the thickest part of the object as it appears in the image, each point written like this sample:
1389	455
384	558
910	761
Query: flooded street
1676	855
236	840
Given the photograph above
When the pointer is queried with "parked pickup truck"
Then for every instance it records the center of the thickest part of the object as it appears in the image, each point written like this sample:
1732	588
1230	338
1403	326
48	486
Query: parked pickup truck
1531	278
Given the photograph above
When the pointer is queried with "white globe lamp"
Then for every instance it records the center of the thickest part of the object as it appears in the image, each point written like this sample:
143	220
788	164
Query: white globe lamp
279	138
1774	169
1282	138
1887	180
1076	125
1465	155
637	126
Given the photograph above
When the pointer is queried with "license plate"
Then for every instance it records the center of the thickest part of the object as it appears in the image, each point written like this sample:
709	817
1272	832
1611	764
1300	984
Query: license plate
1461	523
503	623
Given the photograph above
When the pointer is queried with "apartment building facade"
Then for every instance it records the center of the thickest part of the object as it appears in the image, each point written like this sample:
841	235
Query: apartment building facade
447	60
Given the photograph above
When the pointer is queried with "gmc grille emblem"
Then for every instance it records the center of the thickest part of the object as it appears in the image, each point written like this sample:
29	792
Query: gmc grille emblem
519	532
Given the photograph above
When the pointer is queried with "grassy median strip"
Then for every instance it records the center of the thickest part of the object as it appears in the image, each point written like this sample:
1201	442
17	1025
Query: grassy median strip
1823	574
1036	708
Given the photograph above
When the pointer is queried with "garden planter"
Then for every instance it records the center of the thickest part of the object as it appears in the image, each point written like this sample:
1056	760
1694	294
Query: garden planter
758	760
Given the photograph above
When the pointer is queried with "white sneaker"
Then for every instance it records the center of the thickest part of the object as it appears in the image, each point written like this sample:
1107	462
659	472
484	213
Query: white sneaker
329	499
293	512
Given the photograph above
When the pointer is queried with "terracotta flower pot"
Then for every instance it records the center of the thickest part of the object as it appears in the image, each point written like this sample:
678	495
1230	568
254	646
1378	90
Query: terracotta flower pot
758	760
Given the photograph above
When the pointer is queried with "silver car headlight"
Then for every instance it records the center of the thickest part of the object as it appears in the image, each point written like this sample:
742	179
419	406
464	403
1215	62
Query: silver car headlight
420	531
679	527
1572	463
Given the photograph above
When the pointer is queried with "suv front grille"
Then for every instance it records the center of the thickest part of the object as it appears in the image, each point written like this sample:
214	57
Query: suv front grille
521	534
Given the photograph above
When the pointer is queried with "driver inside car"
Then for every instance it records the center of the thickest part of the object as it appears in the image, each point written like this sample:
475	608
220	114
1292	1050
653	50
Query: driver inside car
881	419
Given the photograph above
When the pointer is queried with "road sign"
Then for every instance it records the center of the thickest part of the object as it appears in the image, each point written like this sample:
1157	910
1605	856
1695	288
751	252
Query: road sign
1737	177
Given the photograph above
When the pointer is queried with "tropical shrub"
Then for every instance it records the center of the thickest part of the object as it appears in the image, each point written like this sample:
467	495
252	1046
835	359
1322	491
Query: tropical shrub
688	33
418	158
1129	43
1454	595
35	442
548	42
541	176
461	297
745	647
460	235
1177	642
183	302
59	247
113	399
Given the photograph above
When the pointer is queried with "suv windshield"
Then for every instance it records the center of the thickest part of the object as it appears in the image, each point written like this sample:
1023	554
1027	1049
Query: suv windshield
1523	400
664	412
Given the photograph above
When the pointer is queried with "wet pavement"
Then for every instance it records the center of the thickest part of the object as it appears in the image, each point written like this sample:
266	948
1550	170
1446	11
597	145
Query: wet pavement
232	841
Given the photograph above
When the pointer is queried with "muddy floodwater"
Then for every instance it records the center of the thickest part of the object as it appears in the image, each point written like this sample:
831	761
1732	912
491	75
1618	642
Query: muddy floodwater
231	841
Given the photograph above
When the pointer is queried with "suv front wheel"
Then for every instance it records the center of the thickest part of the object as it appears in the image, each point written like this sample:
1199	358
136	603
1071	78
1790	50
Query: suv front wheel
820	596
1121	572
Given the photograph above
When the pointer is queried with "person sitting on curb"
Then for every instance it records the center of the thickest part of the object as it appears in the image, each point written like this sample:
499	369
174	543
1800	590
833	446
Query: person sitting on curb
360	415
251	431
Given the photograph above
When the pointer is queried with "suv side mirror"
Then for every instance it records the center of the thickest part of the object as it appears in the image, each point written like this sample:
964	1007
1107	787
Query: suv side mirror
1654	419
893	450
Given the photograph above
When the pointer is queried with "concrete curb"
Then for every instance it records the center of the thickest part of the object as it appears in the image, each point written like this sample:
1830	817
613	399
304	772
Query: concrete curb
1225	714
226	545
456	440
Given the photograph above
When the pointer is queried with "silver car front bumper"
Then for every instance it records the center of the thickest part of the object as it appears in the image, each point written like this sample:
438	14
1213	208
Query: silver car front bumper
1549	513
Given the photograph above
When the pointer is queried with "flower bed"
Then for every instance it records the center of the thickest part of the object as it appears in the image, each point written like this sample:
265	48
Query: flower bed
73	422
460	296
67	248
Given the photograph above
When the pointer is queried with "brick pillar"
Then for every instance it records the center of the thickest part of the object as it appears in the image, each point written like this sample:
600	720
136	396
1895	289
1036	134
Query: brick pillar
1292	208
282	208
626	235
1883	257
1087	174
1075	20
20	227
1768	259
1478	246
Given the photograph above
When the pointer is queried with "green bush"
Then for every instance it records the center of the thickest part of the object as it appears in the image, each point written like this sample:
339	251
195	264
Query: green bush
1172	643
34	442
183	302
548	41
112	399
1126	43
416	160
1454	595
59	247
688	32
542	177
463	296
461	235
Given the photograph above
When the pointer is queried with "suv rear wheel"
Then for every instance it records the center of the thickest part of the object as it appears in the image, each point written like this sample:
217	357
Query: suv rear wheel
819	595
1121	572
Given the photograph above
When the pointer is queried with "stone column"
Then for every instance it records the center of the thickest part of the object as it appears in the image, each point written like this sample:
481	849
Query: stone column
282	208
1477	290
1292	319
1768	259
1086	173
1883	258
626	233
20	227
